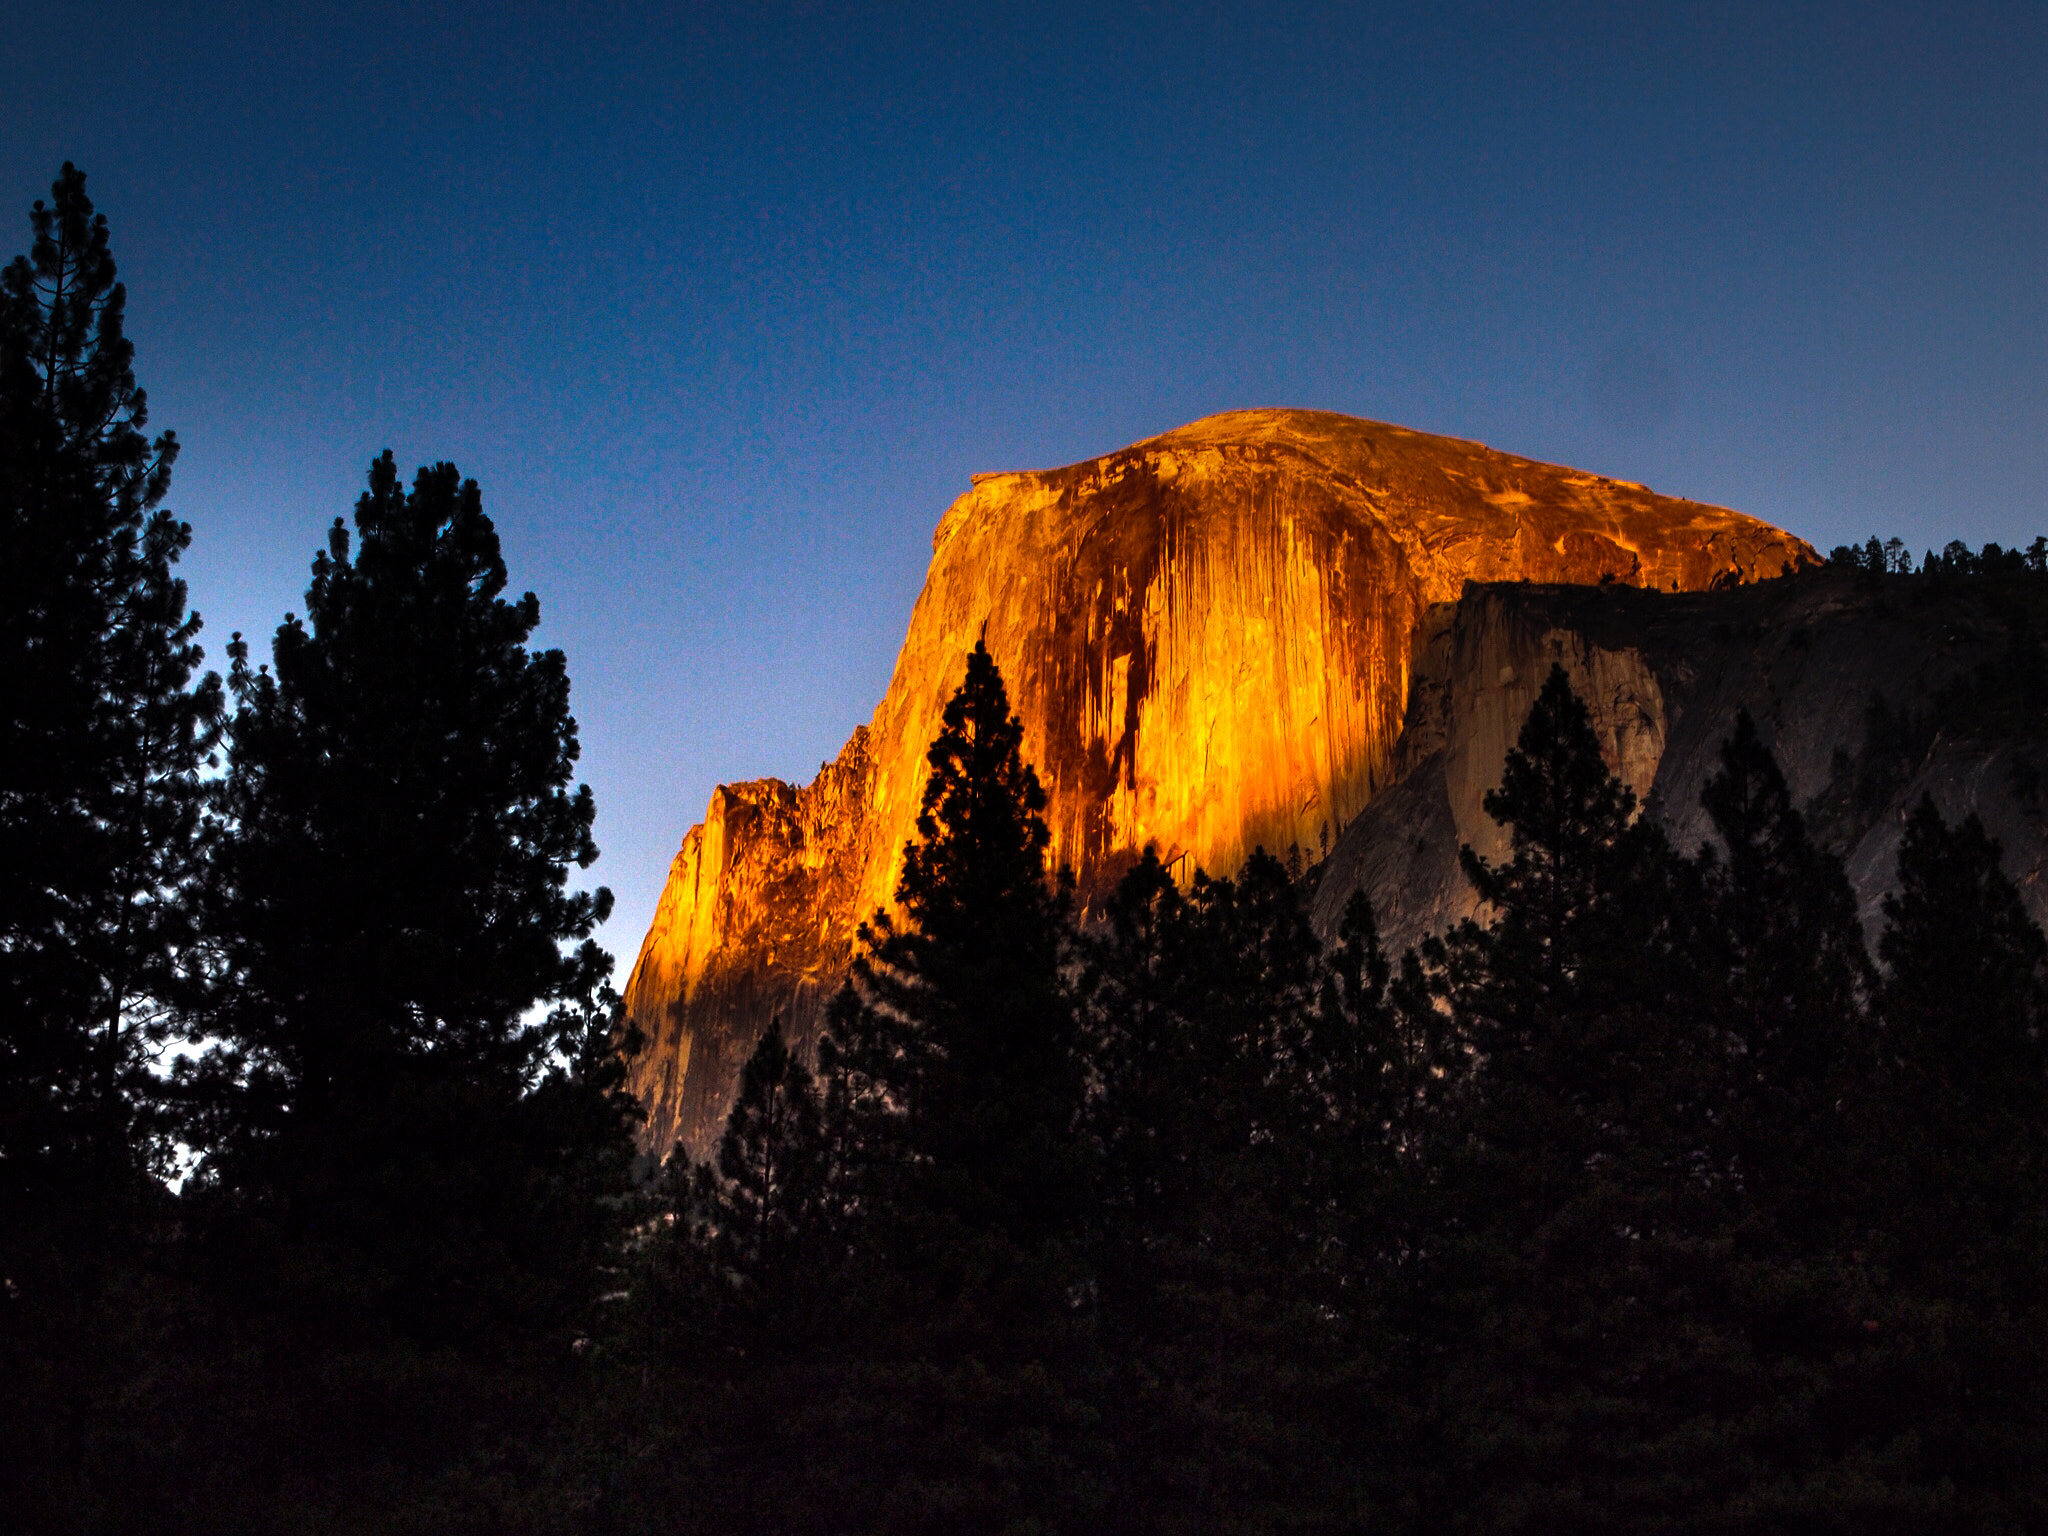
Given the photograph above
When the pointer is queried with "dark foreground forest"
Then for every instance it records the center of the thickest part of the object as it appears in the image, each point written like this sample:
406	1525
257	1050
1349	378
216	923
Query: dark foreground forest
1654	1203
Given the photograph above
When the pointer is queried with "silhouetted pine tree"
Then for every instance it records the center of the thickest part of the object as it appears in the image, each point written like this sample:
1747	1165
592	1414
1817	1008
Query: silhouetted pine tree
1386	1056
1789	971
102	733
102	736
1214	1126
1379	1062
1140	1048
1201	1010
1954	1381
958	1184
1570	1221
1964	1005
768	1203
1777	990
964	1033
424	1149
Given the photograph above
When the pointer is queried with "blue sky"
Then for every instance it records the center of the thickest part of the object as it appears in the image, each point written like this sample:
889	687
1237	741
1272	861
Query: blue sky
722	305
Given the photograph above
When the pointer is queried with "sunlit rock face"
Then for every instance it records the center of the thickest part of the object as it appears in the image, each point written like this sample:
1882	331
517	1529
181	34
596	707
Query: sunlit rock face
754	924
1209	636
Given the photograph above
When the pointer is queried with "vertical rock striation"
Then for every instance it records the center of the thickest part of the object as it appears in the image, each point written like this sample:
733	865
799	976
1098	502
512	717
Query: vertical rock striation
1209	636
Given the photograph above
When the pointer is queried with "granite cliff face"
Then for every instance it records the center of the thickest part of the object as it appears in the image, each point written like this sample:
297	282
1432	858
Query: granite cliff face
1852	681
1209	636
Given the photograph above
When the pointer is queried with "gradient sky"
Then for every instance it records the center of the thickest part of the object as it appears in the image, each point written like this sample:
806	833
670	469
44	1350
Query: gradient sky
722	305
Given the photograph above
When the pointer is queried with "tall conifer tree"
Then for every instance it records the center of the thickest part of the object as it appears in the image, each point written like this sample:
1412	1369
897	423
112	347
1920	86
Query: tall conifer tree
1953	1378
768	1202
102	732
967	1022
1217	1125
1776	994
1966	990
1378	1062
1965	1004
1566	1221
393	911
954	1089
1786	970
1140	1050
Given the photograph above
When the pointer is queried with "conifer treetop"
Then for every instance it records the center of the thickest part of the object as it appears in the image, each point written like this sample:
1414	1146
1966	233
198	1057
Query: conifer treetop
980	828
64	296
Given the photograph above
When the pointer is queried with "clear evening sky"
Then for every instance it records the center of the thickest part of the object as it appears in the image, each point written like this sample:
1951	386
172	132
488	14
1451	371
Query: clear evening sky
722	305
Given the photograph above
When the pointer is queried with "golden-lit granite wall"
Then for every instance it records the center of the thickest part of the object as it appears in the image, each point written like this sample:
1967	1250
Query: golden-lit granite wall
1208	636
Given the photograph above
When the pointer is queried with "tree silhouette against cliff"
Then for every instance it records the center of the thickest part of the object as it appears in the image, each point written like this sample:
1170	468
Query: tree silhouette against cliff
981	1073
1956	1173
954	1090
1569	1221
1964	996
1785	974
766	1203
1214	1114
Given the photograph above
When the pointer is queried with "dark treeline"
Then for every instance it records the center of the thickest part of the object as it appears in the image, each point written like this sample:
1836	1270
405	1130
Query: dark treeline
312	1158
1890	557
1652	1202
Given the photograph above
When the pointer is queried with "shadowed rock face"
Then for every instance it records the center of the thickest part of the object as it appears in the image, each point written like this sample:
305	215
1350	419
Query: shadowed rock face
1663	676
1209	637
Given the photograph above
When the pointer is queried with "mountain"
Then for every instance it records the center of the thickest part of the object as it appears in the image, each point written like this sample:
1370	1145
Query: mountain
1870	690
1210	637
